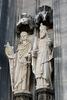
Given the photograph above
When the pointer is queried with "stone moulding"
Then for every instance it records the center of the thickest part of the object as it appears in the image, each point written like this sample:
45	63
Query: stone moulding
46	92
24	95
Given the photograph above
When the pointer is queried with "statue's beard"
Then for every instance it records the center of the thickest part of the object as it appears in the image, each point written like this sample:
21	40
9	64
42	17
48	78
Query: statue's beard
43	36
42	31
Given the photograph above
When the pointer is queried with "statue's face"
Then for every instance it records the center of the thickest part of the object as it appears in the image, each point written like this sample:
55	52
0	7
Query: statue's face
42	30
23	36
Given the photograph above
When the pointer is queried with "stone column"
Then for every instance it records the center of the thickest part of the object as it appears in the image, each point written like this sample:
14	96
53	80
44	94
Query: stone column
60	45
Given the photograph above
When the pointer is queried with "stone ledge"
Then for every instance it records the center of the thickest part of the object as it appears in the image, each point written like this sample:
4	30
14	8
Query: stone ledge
45	90
44	94
24	95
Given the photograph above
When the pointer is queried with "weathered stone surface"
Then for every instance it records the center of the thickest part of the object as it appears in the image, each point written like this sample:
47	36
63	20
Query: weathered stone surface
60	38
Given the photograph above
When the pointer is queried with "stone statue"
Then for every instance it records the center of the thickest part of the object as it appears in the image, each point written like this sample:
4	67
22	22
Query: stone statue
42	54
43	68
22	71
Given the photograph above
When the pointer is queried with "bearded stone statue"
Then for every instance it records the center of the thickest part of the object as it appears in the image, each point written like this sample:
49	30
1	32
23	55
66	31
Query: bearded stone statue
43	67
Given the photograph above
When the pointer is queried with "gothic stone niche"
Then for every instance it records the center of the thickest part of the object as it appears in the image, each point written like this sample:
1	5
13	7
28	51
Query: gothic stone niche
39	58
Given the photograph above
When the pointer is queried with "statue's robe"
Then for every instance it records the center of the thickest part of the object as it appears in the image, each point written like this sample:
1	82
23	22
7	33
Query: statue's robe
22	73
44	56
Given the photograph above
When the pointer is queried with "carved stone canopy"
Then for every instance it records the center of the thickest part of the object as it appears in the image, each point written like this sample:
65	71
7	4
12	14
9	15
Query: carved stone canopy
28	23
25	23
45	16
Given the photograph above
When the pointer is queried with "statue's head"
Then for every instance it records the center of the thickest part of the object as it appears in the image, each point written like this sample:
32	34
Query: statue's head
23	37
45	16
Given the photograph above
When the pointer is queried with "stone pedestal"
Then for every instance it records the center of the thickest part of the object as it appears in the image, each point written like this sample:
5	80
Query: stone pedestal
22	96
44	94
